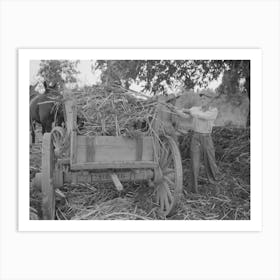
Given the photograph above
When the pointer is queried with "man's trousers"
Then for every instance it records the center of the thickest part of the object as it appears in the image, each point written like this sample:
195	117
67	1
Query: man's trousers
202	146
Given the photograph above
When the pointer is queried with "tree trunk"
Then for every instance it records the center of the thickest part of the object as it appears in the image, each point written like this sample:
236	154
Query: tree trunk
247	86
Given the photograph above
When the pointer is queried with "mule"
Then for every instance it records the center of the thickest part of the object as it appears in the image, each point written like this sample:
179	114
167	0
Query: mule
32	91
45	109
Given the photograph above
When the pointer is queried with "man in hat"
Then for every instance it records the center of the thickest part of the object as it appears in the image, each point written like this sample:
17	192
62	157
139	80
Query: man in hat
201	144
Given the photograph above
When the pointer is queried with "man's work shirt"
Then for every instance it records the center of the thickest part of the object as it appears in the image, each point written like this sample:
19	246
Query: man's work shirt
203	121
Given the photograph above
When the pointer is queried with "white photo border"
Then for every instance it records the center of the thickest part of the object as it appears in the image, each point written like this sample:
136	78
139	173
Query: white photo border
254	224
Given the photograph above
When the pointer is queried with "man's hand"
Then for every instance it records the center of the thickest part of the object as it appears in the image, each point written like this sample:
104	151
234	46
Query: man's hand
186	111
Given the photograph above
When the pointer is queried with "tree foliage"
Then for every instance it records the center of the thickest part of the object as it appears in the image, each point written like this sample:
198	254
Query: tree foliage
235	72
154	75
58	71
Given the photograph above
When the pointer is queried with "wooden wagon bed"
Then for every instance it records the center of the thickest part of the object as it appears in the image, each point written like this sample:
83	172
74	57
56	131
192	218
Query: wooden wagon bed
109	158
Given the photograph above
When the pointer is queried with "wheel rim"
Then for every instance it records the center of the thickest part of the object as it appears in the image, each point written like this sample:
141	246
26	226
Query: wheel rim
169	187
57	135
48	163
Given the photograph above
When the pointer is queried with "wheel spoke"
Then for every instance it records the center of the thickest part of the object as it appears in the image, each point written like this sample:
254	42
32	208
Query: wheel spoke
172	178
168	171
168	180
57	139
162	201
164	154
168	192
57	136
157	197
168	161
166	203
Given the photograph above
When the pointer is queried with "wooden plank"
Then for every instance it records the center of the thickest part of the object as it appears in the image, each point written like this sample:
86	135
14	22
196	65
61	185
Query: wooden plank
93	177
114	165
116	181
90	149
73	149
115	148
139	148
112	140
71	124
70	115
74	178
63	161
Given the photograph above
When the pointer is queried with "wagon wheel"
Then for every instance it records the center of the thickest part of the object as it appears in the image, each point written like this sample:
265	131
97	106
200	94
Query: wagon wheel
58	139
48	165
169	186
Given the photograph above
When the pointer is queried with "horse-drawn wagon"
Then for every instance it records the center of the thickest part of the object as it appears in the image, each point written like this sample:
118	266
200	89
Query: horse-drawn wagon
68	157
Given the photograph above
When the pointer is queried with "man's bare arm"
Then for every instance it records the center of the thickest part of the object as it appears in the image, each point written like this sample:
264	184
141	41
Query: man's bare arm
207	115
184	113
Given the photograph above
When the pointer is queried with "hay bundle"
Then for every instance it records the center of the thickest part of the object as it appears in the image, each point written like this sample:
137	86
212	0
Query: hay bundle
102	201
115	112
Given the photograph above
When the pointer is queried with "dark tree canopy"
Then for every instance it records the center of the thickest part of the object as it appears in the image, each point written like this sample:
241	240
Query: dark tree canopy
236	71
153	74
58	71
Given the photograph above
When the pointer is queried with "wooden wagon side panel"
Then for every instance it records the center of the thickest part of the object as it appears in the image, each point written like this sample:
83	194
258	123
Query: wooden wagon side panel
71	125
114	151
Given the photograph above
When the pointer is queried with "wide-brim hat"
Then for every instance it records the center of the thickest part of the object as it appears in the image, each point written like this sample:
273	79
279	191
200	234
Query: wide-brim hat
206	94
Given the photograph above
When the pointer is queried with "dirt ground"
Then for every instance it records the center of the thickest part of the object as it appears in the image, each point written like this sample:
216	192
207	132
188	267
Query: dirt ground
229	199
